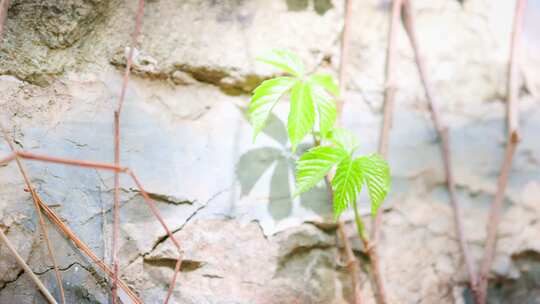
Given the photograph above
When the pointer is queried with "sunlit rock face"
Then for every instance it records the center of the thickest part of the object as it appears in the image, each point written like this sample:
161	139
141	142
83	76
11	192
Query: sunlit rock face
227	199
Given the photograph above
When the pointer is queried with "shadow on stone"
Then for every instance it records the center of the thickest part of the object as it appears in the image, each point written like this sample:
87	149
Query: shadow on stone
320	6
253	164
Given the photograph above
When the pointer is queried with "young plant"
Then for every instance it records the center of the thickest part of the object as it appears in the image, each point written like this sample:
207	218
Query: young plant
313	110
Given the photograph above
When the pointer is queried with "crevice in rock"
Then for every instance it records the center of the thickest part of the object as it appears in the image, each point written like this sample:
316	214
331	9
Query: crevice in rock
301	250
166	236
157	197
229	80
187	265
168	199
212	276
6	283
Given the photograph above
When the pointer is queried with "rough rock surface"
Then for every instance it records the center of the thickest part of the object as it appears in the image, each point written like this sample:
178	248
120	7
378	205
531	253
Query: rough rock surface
228	200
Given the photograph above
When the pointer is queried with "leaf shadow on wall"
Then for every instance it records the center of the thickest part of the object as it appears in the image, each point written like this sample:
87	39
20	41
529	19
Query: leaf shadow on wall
253	164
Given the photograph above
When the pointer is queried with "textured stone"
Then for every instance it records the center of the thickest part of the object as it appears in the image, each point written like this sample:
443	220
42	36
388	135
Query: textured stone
228	200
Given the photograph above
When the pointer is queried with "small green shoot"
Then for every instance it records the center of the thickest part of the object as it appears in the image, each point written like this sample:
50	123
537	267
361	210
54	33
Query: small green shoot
313	111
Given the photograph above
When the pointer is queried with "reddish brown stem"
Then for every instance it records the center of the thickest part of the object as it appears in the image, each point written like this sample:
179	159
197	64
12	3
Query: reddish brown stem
125	170
390	85
116	195
84	248
70	162
512	113
494	219
129	60
512	87
42	225
345	46
27	269
116	207
55	219
176	243
445	143
352	263
390	92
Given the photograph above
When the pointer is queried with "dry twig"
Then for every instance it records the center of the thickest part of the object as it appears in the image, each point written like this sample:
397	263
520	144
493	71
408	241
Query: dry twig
390	91
409	22
104	166
352	262
42	225
27	269
117	112
55	219
512	113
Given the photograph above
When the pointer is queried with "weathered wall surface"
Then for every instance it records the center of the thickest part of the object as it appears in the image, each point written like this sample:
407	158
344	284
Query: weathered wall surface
228	200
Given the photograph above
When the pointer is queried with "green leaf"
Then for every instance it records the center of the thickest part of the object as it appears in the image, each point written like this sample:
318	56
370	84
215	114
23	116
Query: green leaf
314	165
347	183
326	108
325	81
284	60
302	114
376	175
343	138
265	97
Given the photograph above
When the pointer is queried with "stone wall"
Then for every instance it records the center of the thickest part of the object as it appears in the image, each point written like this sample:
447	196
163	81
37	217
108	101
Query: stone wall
245	240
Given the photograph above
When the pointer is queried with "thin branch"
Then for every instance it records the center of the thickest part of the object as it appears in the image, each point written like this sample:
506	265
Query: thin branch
58	222
344	56
138	184
513	140
129	62
116	205
116	213
70	162
390	85
445	143
27	269
352	263
494	219
54	218
176	243
513	77
42	225
390	92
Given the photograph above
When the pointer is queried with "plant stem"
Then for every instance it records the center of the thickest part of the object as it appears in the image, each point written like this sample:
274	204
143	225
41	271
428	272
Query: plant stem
512	113
359	224
352	263
117	112
372	254
42	223
442	130
389	96
56	220
27	269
